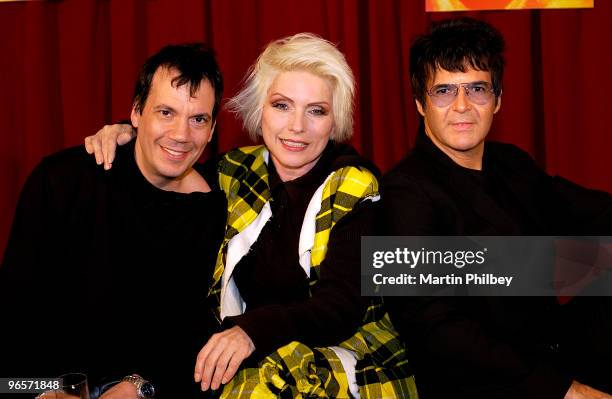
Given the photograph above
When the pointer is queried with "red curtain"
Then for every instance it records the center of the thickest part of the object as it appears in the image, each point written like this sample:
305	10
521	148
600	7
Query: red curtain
68	67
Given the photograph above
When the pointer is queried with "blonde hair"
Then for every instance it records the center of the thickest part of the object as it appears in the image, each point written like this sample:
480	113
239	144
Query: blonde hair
305	52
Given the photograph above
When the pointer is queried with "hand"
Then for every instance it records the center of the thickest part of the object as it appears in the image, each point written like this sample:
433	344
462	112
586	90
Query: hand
581	391
104	142
56	395
219	359
123	390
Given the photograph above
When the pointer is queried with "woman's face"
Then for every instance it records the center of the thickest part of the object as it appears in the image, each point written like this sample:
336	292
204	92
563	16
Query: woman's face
297	121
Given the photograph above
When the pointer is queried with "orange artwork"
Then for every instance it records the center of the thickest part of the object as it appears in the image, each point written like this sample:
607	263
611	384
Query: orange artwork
464	5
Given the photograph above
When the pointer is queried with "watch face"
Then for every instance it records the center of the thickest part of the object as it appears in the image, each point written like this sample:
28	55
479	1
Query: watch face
147	390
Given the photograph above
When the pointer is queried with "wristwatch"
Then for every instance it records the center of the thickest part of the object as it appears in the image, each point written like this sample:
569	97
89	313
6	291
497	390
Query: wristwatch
144	388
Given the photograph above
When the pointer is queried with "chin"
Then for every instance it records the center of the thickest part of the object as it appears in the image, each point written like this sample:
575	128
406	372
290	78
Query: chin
300	163
465	144
463	148
292	159
171	172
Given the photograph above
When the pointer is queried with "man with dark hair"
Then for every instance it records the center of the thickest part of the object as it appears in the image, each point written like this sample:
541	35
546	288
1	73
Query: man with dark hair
106	272
453	183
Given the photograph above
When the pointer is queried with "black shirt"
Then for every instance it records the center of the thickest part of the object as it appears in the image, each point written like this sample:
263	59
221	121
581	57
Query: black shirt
488	347
108	273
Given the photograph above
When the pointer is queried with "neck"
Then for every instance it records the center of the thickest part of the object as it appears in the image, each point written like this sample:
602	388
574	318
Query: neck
470	159
190	181
288	173
465	159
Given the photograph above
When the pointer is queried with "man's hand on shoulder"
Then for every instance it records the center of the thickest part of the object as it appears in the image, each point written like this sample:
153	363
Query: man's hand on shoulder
103	145
581	391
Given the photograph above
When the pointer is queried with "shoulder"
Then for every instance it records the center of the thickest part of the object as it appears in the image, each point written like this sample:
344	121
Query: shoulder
509	155
412	169
341	155
358	173
242	156
500	148
59	177
350	190
357	181
348	167
69	156
413	189
72	161
240	160
236	165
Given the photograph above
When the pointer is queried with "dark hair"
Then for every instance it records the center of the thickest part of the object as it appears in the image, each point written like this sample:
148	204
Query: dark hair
454	45
194	62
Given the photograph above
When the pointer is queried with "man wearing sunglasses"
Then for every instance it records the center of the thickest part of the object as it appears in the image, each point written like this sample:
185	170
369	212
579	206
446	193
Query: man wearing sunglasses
453	183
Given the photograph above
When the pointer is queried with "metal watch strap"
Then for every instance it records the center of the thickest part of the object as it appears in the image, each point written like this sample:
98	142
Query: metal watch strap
137	381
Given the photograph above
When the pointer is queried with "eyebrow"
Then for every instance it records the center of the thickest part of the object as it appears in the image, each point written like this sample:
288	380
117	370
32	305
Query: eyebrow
289	99
169	108
163	106
464	83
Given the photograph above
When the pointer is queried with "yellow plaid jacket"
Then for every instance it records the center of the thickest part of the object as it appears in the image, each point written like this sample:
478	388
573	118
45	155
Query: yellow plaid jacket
296	370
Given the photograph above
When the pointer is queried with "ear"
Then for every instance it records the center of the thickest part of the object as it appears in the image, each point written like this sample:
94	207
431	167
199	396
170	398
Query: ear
420	107
135	116
498	103
212	131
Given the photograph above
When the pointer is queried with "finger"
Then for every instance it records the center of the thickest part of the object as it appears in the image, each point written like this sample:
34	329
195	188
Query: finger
199	365
126	135
109	139
232	367
202	356
113	135
210	365
88	146
108	149
97	149
221	367
120	135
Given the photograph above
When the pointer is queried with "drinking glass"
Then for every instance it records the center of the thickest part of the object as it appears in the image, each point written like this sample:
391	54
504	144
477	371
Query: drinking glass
73	386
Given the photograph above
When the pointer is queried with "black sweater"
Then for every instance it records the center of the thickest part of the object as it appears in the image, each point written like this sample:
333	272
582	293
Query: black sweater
471	347
107	275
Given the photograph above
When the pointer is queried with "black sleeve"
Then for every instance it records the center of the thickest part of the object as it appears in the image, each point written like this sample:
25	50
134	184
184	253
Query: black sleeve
335	308
28	228
38	289
28	239
20	276
590	210
576	209
453	352
445	343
